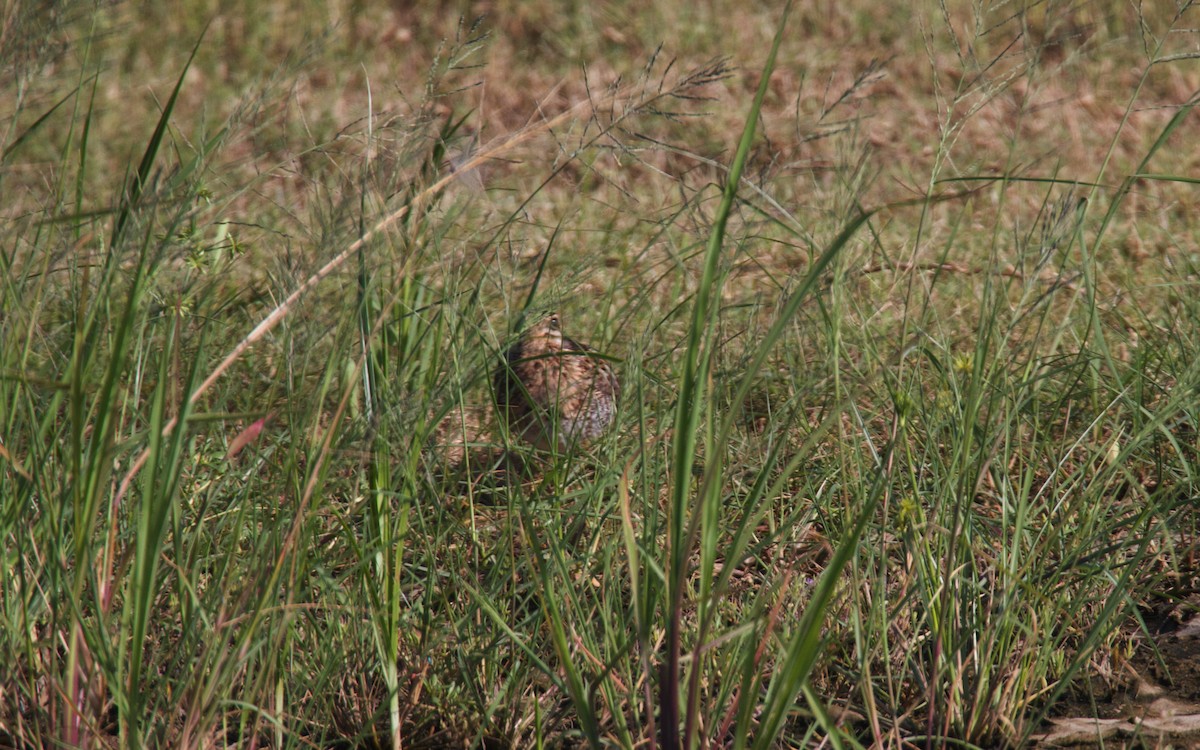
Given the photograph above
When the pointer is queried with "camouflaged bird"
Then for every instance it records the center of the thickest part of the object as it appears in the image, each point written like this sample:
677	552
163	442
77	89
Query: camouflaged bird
552	390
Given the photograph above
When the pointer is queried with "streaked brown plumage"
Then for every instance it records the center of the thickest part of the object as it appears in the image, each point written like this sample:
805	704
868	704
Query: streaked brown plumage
551	389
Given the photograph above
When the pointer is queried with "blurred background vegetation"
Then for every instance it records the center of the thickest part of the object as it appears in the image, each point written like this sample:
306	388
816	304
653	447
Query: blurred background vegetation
906	453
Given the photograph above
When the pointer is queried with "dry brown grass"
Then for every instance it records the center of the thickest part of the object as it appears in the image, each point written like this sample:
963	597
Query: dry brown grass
868	107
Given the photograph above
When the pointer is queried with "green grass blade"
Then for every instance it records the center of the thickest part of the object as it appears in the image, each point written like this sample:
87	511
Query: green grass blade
688	415
141	179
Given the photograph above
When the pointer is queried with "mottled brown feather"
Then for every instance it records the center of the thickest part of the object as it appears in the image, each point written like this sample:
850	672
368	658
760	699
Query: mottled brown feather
551	389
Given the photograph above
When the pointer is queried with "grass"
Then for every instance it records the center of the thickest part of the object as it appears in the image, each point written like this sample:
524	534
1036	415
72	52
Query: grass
900	305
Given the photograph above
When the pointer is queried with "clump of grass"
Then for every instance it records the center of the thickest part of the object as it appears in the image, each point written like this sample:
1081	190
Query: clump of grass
887	469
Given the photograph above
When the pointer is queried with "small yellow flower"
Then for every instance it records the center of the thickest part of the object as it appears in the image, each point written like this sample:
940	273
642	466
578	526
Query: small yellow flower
909	515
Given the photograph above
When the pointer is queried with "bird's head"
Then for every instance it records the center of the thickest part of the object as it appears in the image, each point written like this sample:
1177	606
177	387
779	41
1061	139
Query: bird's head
548	330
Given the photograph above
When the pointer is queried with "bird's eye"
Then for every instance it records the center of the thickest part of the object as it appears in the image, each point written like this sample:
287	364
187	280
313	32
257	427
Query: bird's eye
554	322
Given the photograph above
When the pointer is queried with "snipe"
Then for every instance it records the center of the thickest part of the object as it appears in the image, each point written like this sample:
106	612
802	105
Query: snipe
552	390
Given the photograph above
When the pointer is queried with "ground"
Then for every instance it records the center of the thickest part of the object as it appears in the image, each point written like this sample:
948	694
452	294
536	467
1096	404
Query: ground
905	452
